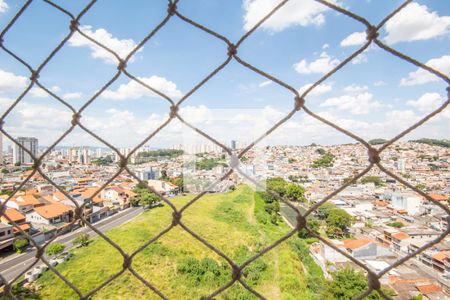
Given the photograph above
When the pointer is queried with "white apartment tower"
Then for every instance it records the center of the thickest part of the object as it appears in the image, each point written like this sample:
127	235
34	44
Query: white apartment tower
20	155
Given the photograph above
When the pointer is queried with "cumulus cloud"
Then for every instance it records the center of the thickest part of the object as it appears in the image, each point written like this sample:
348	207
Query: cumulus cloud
361	58
427	102
321	65
293	13
11	82
354	88
37	92
379	83
134	90
3	6
354	39
317	91
70	96
121	46
265	83
421	76
357	104
415	22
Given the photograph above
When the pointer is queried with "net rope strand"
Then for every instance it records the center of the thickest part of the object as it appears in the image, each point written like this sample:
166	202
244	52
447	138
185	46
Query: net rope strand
231	52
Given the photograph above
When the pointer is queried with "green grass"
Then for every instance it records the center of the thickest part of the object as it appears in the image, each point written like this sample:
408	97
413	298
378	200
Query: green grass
182	267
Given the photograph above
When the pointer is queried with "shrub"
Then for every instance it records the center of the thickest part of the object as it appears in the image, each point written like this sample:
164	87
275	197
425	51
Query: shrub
54	249
20	244
82	240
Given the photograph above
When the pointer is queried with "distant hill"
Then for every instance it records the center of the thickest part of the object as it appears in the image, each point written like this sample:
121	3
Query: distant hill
377	141
433	142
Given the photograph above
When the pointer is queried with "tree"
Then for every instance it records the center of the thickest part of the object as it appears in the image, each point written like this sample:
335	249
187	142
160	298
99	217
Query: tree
178	181
338	221
295	193
148	199
164	175
348	284
321	151
54	249
142	185
326	161
276	185
325	209
20	244
82	240
377	141
396	224
144	197
372	179
420	186
313	225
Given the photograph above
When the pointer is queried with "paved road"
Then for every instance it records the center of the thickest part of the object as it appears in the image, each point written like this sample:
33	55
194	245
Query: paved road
13	267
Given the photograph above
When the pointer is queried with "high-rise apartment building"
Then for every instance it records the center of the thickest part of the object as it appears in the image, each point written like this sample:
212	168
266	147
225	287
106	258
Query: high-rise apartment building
20	155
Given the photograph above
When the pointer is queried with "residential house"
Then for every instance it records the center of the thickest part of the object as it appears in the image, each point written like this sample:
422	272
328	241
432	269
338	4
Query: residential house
163	187
17	217
400	241
366	248
53	214
6	236
117	196
24	203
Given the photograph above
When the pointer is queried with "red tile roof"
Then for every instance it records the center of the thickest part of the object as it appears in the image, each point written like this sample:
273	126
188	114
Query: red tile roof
429	289
355	244
52	210
400	235
14	215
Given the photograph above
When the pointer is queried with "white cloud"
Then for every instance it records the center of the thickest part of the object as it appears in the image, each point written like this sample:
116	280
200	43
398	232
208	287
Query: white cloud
415	22
354	39
317	91
3	6
265	83
357	104
293	13
361	58
37	92
70	96
421	76
11	82
427	102
321	65
379	83
134	90
121	46
354	88
325	46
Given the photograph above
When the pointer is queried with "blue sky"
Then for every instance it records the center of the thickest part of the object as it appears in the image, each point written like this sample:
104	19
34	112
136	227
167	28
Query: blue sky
378	95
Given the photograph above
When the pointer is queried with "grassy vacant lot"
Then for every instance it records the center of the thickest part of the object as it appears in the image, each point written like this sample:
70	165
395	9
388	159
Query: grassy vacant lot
183	268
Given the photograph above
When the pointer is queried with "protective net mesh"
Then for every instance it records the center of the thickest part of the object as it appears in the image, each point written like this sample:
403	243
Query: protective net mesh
232	53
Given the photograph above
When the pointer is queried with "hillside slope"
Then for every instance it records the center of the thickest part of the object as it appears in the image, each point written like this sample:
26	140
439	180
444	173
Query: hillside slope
179	265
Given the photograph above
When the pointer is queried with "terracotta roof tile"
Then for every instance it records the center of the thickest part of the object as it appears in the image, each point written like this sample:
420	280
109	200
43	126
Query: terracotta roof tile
14	215
355	244
400	235
429	289
52	210
27	200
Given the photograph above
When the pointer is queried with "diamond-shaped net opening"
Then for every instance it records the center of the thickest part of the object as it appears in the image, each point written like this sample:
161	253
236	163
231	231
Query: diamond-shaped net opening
238	266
